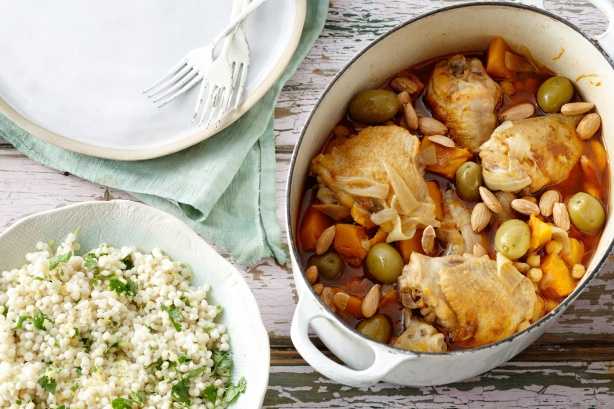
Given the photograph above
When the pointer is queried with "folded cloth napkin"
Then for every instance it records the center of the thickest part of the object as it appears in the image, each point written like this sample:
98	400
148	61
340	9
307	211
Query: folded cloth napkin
224	187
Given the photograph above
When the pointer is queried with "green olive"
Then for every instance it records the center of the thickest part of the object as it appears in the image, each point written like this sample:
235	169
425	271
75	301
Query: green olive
374	106
469	180
554	93
586	212
384	263
330	265
377	328
512	239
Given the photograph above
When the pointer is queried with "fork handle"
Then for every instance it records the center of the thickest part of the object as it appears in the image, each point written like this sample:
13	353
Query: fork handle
238	20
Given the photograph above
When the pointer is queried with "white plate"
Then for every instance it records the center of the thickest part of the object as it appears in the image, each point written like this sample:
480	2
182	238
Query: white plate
126	223
72	71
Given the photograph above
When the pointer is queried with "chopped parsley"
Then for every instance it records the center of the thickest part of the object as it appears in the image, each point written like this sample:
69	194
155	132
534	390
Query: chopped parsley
210	394
174	315
180	392
47	383
57	260
138	397
183	359
90	261
87	343
233	391
61	407
21	320
128	288
222	363
122	403
5	310
39	320
128	262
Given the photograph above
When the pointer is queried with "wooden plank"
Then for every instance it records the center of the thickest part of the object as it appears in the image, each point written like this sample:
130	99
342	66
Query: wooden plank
570	384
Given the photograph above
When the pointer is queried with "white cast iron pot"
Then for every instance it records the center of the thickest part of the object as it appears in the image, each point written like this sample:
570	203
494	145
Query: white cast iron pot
459	28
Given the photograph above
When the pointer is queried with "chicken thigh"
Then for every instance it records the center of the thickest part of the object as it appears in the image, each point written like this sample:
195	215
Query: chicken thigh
378	171
462	94
531	153
475	302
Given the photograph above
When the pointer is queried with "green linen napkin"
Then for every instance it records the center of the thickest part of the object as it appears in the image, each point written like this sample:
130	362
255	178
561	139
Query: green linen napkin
224	187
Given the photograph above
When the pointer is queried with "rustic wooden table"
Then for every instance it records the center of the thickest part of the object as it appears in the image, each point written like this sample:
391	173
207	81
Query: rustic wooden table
571	366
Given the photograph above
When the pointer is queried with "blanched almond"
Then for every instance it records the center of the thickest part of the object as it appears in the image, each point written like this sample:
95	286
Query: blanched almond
479	250
341	300
535	274
577	108
325	240
442	140
534	260
371	301
411	118
588	126
522	267
517	112
578	271
554	247
561	216
480	217
400	84
547	201
490	200
404	97
431	126
312	274
428	239
524	206
327	296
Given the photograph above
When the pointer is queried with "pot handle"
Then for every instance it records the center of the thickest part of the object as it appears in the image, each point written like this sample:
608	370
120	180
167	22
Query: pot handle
384	360
606	40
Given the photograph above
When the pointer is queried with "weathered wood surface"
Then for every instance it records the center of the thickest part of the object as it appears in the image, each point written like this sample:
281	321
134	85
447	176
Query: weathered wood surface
571	366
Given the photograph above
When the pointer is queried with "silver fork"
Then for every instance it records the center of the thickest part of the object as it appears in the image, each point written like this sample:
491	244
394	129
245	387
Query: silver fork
221	90
195	65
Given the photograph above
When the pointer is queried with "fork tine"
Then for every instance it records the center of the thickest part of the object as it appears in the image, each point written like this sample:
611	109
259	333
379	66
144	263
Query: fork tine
208	104
214	107
199	101
168	75
188	84
221	109
171	88
162	88
238	88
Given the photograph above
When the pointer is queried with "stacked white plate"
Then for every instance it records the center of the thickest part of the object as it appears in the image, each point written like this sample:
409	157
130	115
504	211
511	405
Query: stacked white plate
72	71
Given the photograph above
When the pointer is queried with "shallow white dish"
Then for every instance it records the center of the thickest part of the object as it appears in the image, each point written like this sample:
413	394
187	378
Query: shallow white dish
73	71
122	222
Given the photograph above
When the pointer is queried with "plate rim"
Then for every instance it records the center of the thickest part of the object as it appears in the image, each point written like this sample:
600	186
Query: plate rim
181	140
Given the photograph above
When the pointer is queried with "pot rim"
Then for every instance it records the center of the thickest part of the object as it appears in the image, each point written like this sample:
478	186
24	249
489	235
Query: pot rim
546	319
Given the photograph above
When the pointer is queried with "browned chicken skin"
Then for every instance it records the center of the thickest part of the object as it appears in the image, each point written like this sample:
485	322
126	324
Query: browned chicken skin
462	94
531	153
472	299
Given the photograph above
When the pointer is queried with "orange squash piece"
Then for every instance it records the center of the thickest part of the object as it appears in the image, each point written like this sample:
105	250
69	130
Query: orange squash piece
350	243
557	281
530	85
312	226
541	232
378	237
575	253
495	64
437	197
406	247
448	159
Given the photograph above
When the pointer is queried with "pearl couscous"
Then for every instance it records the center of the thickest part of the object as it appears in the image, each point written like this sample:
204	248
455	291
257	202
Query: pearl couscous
113	328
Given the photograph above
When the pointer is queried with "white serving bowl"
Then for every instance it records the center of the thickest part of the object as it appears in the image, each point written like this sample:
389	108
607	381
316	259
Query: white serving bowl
126	223
467	27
